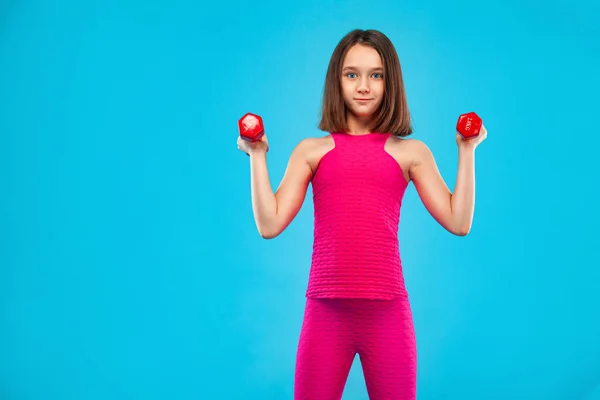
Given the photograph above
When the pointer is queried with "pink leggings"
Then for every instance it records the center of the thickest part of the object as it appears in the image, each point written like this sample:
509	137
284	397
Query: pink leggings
381	332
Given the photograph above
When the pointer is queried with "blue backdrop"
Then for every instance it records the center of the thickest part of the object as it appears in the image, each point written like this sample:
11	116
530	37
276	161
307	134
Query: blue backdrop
130	266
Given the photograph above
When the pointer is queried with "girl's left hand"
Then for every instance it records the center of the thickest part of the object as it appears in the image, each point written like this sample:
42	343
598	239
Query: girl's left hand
473	142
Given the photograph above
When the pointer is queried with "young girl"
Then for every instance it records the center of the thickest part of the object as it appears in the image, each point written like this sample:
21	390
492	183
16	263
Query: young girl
356	300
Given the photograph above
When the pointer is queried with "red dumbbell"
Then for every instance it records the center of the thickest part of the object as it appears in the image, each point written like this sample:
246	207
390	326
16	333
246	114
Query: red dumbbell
251	127
469	125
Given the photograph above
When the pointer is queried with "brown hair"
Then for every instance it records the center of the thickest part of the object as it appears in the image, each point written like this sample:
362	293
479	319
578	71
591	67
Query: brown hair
393	115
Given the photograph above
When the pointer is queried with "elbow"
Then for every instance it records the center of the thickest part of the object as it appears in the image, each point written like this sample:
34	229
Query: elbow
272	228
462	230
268	233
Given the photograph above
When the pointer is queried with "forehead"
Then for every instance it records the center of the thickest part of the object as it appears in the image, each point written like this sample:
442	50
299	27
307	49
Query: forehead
362	56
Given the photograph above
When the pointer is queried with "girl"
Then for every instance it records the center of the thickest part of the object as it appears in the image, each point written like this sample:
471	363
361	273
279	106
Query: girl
356	300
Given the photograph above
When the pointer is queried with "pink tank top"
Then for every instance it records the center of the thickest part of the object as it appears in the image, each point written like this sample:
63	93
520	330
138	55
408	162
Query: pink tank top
357	193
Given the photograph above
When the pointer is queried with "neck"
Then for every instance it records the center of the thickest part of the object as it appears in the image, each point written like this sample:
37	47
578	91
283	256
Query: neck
358	125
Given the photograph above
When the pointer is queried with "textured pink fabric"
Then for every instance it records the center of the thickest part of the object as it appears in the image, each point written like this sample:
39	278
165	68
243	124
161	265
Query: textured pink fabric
381	332
357	194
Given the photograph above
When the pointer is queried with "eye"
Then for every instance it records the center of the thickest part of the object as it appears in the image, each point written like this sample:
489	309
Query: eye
377	75
351	73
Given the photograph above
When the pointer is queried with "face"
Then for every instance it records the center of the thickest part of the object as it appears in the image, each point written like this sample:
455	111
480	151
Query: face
362	80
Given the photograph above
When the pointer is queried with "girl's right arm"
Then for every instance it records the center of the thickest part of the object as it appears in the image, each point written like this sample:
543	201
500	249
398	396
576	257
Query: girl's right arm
273	212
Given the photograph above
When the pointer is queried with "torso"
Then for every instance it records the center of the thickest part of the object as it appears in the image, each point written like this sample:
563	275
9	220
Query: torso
357	196
398	148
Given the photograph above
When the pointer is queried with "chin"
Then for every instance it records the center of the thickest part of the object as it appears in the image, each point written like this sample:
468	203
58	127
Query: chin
363	113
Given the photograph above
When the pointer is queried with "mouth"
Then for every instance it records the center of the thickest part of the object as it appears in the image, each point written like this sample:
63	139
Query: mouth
361	100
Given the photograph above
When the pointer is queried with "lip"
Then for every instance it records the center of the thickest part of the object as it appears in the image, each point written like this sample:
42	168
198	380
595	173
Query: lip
362	100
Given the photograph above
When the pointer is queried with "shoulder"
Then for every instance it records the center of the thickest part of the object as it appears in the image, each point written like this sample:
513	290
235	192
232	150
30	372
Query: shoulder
406	142
414	148
310	144
411	154
310	150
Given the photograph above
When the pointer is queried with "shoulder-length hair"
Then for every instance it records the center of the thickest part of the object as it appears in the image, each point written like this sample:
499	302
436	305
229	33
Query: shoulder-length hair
393	115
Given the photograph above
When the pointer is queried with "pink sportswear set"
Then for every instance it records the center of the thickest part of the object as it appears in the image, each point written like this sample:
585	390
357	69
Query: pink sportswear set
356	301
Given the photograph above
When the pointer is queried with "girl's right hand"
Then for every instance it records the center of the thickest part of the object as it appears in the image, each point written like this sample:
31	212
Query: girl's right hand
250	147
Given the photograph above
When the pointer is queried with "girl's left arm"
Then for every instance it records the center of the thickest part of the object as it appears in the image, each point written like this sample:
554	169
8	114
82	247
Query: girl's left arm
454	211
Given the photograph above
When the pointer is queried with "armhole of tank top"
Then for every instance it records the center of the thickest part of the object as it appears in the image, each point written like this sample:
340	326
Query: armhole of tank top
335	144
391	157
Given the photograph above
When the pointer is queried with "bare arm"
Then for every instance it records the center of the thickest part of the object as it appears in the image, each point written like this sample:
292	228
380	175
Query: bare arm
273	212
454	211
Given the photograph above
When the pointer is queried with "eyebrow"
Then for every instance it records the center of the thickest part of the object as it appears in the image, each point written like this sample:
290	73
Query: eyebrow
353	67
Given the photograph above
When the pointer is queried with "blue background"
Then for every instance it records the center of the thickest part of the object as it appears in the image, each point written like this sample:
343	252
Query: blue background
130	266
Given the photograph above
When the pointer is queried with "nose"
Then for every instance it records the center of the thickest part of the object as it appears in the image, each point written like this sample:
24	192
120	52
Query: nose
363	86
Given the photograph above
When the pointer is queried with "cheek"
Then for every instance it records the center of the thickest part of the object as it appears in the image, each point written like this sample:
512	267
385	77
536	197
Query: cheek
347	91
